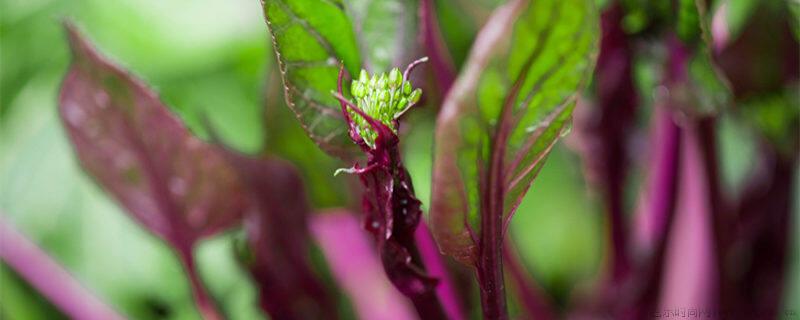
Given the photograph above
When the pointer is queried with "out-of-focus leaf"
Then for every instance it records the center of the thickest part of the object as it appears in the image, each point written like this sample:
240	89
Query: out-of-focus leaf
763	66
705	91
509	106
356	266
794	8
386	30
174	184
278	235
310	39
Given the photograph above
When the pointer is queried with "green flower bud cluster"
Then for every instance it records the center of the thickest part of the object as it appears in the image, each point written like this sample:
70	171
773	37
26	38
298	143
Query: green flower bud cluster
384	97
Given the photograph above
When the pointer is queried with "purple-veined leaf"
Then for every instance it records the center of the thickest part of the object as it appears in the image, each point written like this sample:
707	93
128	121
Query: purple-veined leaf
177	186
356	266
508	107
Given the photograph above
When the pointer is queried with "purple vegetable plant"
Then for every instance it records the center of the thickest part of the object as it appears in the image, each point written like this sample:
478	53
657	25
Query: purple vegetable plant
532	64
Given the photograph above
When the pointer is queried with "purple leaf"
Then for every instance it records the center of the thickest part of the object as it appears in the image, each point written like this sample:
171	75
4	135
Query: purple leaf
174	184
177	186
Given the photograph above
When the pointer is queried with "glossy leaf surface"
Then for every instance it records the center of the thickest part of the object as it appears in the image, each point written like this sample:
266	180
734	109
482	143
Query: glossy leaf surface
386	32
310	38
509	106
177	186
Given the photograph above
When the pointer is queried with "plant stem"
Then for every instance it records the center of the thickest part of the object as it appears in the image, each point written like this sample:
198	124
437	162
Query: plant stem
661	204
490	258
205	305
49	278
705	133
435	264
530	295
427	304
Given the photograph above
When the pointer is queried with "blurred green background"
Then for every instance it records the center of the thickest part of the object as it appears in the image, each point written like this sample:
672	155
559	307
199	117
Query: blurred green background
211	58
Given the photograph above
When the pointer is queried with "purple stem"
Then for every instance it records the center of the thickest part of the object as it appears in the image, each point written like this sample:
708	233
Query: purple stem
530	295
616	94
660	209
661	200
49	278
435	48
705	133
205	305
436	267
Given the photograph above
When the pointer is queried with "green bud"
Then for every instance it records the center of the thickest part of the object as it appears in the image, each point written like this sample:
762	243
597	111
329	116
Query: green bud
395	78
396	95
363	77
402	104
372	82
415	95
354	88
384	96
383	83
406	88
360	91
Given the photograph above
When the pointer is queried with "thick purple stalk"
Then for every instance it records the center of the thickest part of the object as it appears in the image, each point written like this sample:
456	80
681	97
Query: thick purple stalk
490	251
49	278
392	211
435	264
763	235
435	48
657	213
705	133
610	125
529	293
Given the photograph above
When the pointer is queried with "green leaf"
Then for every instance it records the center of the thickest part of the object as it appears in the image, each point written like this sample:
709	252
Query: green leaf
311	38
705	90
509	106
386	32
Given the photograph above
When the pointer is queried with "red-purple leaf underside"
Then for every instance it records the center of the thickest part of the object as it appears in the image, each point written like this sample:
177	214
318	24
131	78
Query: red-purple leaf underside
177	186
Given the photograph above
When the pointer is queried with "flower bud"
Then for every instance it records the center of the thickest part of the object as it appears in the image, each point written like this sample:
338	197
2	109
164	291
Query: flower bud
354	88
406	88
415	95
395	78
363	77
402	104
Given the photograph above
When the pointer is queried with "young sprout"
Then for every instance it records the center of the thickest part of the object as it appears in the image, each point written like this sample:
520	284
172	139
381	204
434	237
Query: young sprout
384	97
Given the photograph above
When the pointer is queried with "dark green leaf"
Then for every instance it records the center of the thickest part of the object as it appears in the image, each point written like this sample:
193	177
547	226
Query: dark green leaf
311	38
